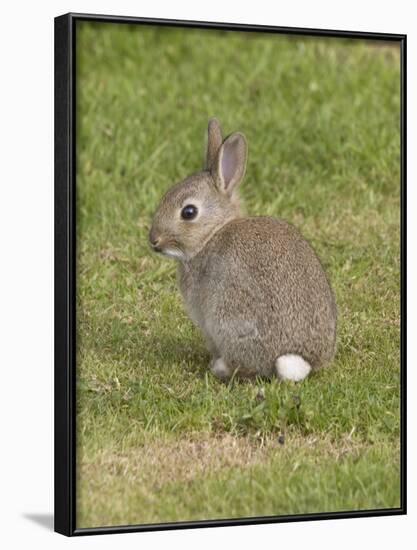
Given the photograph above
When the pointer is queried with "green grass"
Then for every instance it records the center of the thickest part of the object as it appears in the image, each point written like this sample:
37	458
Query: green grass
159	439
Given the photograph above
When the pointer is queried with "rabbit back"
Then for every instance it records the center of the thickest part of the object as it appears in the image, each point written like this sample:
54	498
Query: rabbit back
257	291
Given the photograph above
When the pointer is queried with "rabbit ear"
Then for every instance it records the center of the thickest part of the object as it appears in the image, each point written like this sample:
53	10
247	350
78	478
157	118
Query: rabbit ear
214	142
231	162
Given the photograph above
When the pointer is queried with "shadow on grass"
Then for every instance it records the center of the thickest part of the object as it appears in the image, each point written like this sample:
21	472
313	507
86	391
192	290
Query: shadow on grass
188	352
121	342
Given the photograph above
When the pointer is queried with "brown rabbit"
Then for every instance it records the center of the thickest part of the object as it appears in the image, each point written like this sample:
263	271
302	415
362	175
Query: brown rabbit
253	285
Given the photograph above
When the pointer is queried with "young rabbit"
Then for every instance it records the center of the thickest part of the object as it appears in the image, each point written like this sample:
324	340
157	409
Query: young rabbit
253	285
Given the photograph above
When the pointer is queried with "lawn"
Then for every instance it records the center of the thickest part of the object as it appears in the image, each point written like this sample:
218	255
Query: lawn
159	439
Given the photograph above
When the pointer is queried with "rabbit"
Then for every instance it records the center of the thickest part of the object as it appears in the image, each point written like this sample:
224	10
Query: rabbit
253	285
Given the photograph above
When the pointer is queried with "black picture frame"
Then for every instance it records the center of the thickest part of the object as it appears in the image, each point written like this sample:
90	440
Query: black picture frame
65	266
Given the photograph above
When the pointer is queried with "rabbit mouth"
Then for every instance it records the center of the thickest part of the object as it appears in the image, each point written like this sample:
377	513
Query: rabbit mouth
170	250
172	253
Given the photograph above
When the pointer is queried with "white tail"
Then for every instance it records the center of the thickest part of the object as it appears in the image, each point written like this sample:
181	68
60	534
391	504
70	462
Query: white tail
292	367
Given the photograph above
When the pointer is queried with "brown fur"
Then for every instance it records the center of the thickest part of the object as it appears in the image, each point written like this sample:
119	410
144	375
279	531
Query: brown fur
254	286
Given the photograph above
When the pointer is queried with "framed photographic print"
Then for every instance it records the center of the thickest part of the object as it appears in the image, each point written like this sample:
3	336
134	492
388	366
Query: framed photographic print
229	274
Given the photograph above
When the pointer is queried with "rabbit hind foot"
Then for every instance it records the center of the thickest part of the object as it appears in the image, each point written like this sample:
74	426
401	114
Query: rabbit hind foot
220	369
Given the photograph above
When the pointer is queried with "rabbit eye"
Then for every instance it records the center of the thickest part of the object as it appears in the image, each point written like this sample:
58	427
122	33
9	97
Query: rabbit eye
189	212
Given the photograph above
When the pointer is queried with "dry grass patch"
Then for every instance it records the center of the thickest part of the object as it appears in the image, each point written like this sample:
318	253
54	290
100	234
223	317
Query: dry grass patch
145	482
182	460
135	480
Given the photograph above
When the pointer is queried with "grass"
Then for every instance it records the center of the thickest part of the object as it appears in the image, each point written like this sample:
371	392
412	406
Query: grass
158	438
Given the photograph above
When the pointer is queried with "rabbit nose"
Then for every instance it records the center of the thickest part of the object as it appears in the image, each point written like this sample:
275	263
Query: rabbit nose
154	240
